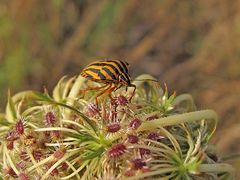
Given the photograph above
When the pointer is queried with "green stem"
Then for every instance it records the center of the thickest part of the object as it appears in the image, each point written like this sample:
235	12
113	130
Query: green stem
56	129
40	163
208	115
24	94
83	165
217	168
59	161
73	169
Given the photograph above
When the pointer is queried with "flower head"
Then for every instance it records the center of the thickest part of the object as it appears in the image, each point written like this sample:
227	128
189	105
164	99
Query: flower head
150	137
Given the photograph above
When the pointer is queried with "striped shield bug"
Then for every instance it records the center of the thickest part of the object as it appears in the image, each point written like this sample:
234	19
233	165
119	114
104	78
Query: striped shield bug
112	73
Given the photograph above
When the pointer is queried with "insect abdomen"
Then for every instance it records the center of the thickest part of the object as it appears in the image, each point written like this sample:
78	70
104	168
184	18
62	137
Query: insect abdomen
106	70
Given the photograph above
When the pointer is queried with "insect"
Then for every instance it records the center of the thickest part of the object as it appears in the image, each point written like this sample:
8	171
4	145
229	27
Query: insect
112	73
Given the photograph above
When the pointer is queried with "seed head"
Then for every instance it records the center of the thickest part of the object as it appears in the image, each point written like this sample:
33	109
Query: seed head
154	136
121	100
135	123
132	139
11	136
10	145
138	164
50	118
114	127
144	151
117	150
58	154
37	154
19	127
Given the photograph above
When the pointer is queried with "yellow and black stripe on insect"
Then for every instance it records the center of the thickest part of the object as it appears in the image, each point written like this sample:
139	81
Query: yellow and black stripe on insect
112	73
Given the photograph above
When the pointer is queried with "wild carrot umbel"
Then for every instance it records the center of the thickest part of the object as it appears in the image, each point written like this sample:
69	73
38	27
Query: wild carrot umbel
66	136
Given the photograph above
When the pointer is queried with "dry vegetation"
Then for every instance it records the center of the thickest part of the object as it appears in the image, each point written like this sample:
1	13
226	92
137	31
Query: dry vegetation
192	45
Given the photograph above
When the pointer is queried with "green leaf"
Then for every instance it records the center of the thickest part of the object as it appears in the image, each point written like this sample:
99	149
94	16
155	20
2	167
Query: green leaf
11	114
83	137
4	122
57	91
68	87
95	153
42	96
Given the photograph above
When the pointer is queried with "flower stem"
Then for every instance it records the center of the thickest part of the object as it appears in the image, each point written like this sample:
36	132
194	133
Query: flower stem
217	168
56	129
208	115
64	158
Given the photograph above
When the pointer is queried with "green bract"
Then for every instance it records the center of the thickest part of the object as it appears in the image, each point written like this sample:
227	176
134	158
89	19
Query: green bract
66	136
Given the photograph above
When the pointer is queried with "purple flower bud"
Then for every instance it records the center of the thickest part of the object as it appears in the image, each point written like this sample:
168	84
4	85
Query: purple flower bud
10	145
132	139
121	100
37	154
144	151
11	136
135	123
155	136
114	127
19	127
50	118
138	164
58	154
117	150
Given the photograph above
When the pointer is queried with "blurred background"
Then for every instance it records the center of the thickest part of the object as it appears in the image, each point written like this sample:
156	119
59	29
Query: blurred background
191	45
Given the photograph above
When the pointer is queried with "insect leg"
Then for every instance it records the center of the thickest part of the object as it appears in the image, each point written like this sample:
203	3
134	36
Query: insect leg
107	90
118	87
132	85
102	92
92	88
114	88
